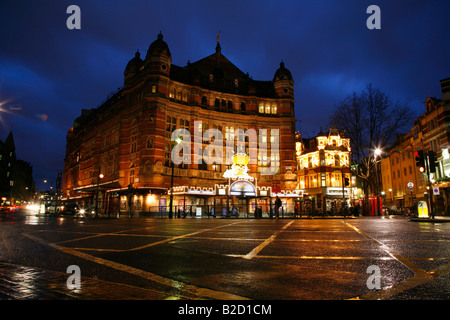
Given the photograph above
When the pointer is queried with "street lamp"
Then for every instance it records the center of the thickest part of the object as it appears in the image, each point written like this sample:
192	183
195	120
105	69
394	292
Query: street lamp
100	176
376	153
176	142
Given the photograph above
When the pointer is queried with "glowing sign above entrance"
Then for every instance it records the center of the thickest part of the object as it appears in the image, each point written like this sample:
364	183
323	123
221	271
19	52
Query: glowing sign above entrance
242	188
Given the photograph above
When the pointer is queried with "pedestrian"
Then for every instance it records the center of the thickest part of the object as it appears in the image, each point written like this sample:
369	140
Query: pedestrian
277	207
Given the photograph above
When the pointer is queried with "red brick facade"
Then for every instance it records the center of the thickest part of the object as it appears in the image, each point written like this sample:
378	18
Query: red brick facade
128	138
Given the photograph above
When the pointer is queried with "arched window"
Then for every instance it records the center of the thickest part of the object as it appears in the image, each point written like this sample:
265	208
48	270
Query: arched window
267	108
337	160
261	108
274	109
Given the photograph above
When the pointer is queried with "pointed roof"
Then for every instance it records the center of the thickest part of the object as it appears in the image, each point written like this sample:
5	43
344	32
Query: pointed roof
9	142
217	72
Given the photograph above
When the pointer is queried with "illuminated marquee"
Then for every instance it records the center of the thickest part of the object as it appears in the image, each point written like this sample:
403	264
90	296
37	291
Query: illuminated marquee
242	188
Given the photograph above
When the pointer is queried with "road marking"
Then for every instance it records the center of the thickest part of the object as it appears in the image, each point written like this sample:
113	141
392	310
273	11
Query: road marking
309	257
261	246
420	275
96	235
143	246
198	291
391	252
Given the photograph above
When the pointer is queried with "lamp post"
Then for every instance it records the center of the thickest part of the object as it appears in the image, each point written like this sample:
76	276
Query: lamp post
176	142
100	176
377	152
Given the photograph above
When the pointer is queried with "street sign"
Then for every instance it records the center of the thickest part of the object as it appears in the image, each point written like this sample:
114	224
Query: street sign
435	191
410	185
422	209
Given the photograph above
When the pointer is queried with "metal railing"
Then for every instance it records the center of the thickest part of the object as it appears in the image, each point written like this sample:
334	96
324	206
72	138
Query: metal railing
211	211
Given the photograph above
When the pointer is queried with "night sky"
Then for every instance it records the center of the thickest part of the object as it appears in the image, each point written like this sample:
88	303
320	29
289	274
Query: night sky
48	73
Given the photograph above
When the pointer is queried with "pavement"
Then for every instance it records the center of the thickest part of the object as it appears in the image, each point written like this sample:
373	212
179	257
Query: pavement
437	219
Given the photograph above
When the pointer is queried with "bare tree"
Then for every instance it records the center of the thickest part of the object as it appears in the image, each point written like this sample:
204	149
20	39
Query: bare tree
371	120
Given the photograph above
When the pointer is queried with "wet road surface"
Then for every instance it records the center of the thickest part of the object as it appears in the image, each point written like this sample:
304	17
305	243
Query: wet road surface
285	259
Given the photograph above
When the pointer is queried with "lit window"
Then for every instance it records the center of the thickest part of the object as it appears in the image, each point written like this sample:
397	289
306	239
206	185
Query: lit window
274	109
153	89
267	108
261	108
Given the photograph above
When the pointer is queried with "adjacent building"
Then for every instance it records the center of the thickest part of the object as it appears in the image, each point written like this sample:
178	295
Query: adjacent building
403	184
323	171
119	155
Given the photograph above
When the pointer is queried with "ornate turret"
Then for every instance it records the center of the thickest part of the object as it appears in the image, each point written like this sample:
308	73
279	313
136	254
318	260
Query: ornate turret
133	66
158	58
283	82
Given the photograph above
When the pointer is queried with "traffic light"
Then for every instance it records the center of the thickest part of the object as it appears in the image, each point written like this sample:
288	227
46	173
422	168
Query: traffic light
432	162
420	160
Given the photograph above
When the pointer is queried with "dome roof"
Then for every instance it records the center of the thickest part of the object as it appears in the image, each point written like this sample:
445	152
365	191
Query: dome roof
158	47
135	63
282	73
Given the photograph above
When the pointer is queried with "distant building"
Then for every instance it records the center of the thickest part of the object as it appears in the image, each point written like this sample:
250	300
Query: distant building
16	176
323	170
120	152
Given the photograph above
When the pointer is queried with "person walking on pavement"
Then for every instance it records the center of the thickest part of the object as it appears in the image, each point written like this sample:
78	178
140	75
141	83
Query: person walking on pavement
277	207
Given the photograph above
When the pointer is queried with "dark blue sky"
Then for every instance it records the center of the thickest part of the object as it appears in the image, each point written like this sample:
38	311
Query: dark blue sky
49	73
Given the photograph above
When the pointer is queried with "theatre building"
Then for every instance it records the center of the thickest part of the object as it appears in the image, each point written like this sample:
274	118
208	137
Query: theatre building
237	146
324	173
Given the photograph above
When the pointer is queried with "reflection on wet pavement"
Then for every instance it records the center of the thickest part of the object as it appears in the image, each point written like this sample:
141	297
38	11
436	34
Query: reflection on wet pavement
25	283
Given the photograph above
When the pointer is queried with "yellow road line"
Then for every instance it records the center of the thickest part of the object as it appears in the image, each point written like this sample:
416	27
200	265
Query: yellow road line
261	246
420	275
143	246
310	257
198	291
